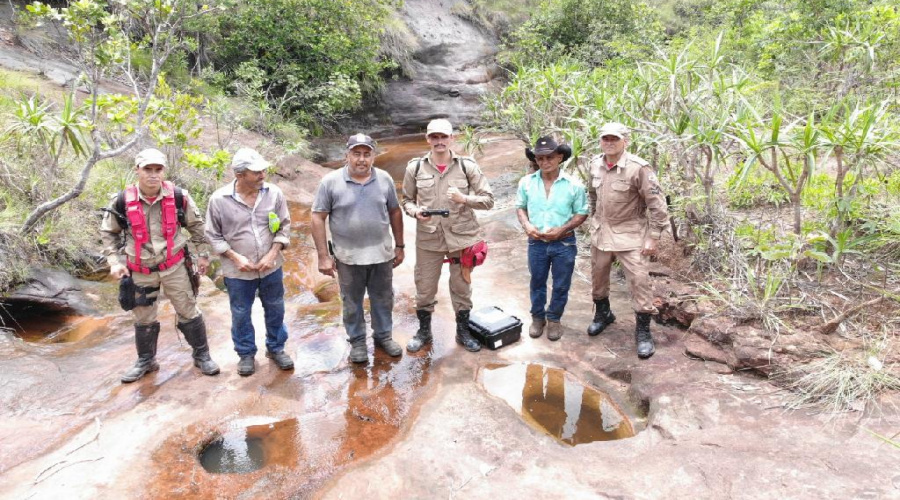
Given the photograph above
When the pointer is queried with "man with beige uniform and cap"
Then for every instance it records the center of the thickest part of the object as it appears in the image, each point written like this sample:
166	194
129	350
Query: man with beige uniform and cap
629	215
144	244
443	180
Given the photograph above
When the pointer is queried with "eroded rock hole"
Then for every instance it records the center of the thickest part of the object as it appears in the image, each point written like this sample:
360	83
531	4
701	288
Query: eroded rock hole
245	449
553	401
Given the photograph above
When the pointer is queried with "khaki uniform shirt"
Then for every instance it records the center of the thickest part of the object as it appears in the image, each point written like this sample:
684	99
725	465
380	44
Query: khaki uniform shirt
429	188
627	202
154	251
232	224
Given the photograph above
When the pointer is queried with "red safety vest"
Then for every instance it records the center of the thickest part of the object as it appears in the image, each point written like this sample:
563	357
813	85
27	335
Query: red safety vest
134	211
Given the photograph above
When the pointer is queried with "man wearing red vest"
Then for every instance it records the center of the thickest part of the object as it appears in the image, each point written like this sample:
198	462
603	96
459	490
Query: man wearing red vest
142	238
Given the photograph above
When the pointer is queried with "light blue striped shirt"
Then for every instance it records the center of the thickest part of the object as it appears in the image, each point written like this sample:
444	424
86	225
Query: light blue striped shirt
567	198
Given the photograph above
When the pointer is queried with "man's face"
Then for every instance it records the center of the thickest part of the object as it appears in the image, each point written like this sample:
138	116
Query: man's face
150	177
613	145
549	163
250	180
440	143
360	160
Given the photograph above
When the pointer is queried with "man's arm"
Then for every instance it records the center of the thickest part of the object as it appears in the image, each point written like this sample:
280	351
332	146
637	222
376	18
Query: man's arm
396	216
326	263
410	193
282	237
217	241
656	206
556	233
112	237
193	221
529	228
480	196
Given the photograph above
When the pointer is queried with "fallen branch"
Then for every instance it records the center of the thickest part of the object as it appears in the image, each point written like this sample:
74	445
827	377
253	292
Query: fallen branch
67	465
831	326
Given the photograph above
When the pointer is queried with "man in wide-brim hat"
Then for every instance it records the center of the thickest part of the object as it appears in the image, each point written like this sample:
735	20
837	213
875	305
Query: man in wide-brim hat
550	205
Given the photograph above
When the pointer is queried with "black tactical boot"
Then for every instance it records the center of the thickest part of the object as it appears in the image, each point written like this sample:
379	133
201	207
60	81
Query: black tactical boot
645	347
603	317
195	333
423	336
463	336
145	337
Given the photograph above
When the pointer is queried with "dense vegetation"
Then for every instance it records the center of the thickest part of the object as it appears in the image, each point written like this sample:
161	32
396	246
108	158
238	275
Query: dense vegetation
775	128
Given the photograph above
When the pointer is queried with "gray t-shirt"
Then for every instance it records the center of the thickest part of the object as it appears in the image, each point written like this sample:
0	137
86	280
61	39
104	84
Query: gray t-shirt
358	215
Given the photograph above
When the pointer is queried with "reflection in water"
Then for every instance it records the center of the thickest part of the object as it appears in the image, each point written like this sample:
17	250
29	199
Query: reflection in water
552	401
246	449
59	328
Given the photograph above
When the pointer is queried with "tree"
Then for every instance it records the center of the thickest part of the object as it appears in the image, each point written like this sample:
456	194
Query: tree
104	37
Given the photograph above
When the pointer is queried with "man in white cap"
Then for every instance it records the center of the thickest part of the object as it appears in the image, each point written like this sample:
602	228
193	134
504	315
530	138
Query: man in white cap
360	205
146	249
444	180
248	223
629	216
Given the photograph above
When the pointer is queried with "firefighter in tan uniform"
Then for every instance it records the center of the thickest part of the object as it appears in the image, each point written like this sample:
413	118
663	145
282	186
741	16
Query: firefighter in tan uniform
142	238
629	215
443	180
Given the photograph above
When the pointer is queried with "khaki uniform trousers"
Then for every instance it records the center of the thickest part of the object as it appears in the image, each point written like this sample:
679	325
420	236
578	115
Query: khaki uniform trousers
428	273
177	288
637	274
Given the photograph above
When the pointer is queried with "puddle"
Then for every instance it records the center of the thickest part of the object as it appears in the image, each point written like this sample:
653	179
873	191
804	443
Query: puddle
553	401
245	449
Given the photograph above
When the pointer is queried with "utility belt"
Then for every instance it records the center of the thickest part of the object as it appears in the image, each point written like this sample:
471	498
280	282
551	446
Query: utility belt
173	261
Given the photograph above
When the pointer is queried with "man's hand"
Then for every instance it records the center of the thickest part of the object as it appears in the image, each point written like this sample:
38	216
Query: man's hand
649	247
268	260
203	265
420	215
455	196
398	256
532	232
242	263
119	271
553	234
326	265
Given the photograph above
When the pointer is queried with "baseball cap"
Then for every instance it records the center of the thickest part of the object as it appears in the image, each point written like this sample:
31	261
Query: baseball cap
150	156
248	159
614	128
360	140
439	126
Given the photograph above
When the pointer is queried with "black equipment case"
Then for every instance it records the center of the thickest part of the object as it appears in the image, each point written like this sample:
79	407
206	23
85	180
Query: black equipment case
494	328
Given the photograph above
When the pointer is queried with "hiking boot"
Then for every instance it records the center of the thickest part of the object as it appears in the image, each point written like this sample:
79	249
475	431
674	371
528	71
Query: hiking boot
281	359
359	353
554	330
463	336
389	346
195	333
145	337
423	336
603	317
537	327
642	336
246	366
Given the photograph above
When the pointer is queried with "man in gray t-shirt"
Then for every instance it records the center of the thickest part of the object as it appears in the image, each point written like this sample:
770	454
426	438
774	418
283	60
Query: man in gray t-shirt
361	206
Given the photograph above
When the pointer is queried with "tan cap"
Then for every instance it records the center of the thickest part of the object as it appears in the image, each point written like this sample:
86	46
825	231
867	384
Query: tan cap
439	126
150	156
616	129
248	159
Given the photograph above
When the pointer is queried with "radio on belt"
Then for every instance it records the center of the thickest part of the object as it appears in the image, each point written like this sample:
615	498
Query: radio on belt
494	328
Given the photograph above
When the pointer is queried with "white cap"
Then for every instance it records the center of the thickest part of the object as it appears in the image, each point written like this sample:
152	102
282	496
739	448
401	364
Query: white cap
439	126
615	129
248	159
150	156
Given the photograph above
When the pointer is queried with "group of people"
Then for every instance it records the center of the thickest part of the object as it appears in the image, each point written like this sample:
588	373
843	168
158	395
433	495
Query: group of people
247	225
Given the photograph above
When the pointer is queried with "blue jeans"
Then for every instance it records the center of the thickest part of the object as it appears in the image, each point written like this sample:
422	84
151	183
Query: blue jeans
378	280
556	258
241	294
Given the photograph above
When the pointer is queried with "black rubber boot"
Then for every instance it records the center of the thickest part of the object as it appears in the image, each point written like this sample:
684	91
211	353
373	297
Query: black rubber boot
145	337
645	347
463	336
423	336
603	317
195	333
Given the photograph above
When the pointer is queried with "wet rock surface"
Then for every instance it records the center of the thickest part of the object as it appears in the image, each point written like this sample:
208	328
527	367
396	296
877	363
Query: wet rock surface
420	426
